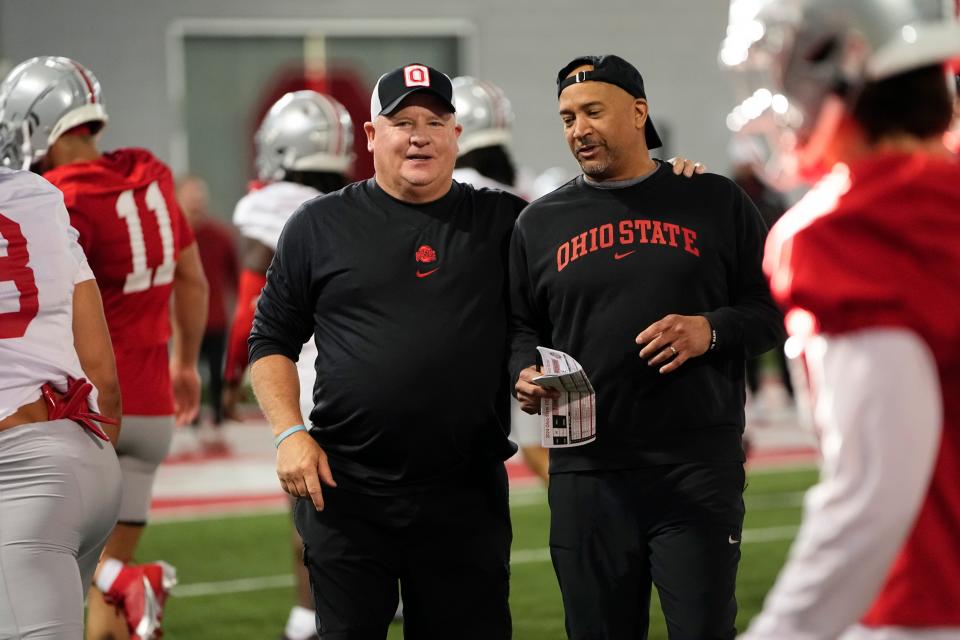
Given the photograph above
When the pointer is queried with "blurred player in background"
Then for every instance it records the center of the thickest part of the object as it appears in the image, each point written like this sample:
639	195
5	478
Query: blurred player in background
59	479
141	251
771	204
218	255
868	269
304	149
484	160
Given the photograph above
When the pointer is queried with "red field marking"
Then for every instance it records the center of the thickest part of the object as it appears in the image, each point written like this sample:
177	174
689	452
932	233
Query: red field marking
519	475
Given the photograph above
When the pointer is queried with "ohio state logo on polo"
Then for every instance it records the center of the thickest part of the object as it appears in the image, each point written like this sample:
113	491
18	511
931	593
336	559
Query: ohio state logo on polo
416	75
425	255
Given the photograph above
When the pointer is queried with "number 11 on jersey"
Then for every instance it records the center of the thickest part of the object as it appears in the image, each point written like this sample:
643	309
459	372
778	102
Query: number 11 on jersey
143	277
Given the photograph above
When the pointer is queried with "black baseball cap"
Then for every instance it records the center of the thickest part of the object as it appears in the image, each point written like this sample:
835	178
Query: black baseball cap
393	87
613	70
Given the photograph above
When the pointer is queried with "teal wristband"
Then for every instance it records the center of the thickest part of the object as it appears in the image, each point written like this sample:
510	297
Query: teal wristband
286	434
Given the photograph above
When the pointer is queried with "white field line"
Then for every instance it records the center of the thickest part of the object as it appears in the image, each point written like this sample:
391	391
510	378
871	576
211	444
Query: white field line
528	497
201	514
241	585
779	500
770	534
758	502
785	467
521	556
518	499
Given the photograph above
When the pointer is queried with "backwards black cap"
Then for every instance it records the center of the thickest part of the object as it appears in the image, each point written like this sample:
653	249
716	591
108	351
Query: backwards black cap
612	70
396	85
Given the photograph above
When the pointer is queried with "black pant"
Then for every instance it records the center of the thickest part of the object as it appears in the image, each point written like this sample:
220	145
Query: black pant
211	353
615	533
448	549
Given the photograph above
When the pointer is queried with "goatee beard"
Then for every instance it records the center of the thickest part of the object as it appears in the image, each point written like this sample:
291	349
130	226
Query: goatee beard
595	169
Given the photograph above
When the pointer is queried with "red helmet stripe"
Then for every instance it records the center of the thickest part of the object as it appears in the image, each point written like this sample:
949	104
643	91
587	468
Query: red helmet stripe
336	123
496	105
86	79
332	114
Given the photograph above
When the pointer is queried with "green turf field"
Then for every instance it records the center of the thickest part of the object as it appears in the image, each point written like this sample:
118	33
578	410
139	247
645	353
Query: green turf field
235	581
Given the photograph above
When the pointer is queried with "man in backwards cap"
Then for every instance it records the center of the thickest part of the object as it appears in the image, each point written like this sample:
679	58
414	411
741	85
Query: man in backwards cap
401	280
653	283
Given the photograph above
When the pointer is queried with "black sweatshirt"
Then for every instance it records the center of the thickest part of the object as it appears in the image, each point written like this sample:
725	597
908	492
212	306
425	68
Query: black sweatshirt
407	304
592	267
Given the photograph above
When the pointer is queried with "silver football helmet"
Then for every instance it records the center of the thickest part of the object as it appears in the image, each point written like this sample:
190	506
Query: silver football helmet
304	131
483	111
40	100
800	64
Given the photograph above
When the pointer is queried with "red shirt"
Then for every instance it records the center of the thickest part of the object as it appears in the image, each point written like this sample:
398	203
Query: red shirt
132	232
218	254
880	247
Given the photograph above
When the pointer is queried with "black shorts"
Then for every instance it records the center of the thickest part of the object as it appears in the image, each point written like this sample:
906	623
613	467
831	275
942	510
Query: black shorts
447	549
615	533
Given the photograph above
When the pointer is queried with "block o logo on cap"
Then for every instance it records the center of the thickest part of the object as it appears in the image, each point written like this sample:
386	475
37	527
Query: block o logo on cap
416	75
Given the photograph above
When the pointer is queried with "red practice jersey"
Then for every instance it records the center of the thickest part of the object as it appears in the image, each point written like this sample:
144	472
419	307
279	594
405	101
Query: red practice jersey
876	245
218	255
132	232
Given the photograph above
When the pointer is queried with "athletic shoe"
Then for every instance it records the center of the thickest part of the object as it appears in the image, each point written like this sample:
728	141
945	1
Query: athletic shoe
141	591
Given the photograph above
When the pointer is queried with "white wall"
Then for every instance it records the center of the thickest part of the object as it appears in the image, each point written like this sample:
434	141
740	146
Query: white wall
520	46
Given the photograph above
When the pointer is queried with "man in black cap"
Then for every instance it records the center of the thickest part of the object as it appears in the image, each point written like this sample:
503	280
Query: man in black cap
653	283
400	475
